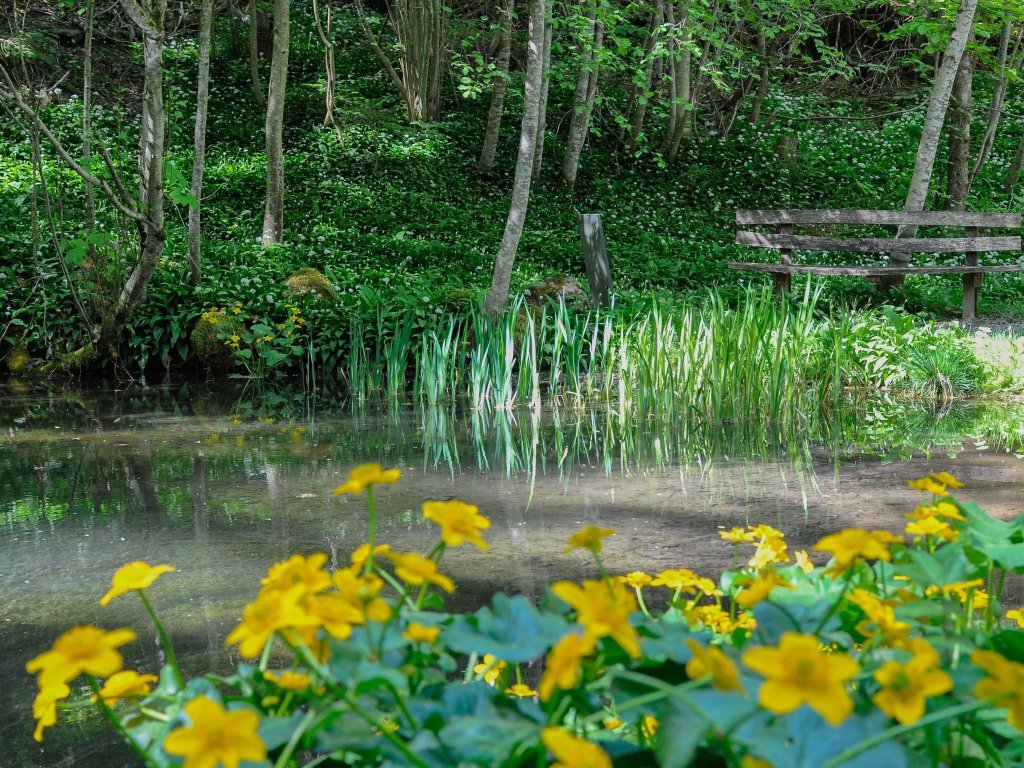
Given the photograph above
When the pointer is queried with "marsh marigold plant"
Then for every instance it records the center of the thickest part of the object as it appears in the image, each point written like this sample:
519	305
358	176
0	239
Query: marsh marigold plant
897	652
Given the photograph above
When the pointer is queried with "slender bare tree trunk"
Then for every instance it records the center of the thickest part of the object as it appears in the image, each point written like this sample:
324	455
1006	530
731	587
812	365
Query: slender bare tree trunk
959	156
90	197
150	21
542	119
502	275
995	108
642	93
195	258
762	71
935	117
591	43
254	55
490	149
273	213
323	29
684	93
1013	175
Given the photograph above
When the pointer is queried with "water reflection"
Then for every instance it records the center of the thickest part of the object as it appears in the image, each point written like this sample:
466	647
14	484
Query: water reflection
222	487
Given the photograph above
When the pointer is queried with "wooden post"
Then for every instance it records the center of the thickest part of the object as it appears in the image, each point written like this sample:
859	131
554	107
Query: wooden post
595	254
783	282
971	282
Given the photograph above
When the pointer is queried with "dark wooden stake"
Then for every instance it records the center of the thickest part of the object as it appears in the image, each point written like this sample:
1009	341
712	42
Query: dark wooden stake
595	254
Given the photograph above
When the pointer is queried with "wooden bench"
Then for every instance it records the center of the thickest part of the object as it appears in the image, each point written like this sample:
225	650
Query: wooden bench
972	244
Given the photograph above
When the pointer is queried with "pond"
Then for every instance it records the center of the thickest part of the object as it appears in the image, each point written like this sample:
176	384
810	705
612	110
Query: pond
222	484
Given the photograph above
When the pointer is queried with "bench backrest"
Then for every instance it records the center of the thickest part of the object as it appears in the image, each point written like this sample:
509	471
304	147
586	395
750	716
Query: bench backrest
786	220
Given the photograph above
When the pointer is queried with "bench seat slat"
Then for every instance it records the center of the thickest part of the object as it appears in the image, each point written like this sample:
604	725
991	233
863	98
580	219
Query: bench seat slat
816	269
881	218
879	244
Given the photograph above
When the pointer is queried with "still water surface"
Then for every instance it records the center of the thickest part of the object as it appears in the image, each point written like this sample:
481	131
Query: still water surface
223	487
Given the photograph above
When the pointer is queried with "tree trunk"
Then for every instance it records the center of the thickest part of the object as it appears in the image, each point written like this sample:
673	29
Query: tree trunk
642	93
330	72
273	213
683	106
90	197
151	171
542	118
762	71
490	149
586	91
935	117
254	55
959	156
995	108
195	259
502	275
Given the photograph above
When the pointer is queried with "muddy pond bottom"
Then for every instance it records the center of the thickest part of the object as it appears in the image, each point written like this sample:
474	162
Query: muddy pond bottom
222	489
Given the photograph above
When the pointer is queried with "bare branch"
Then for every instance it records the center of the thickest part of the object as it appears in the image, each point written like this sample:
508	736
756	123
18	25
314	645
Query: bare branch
63	153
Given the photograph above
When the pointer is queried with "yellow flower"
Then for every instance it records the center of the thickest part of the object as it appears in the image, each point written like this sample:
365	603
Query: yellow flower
269	612
649	726
1016	615
236	311
289	680
749	761
962	591
613	723
459	522
589	538
332	612
297	570
852	543
365	475
804	561
490	668
879	614
940	509
759	588
82	649
636	579
44	708
416	570
946	479
571	752
603	608
713	617
905	687
215	736
932	526
1004	685
520	690
562	669
928	485
736	535
131	576
417	633
768	552
126	685
712	661
362	552
797	672
682	579
362	592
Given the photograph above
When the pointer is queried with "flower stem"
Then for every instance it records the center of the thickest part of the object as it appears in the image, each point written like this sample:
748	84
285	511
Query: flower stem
165	641
293	742
371	524
899	730
116	723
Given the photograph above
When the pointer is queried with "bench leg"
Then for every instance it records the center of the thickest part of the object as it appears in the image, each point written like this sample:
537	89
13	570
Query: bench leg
782	283
972	284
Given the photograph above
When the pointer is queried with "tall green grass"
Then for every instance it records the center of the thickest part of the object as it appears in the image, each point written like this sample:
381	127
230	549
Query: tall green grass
761	360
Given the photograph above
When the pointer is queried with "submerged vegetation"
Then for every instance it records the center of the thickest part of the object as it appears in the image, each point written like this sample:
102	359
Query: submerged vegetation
896	651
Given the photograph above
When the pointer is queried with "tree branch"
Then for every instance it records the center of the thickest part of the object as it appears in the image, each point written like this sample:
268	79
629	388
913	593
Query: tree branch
63	153
136	14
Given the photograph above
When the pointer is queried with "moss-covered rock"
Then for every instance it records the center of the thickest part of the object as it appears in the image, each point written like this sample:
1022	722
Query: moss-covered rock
18	360
555	288
309	282
208	348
